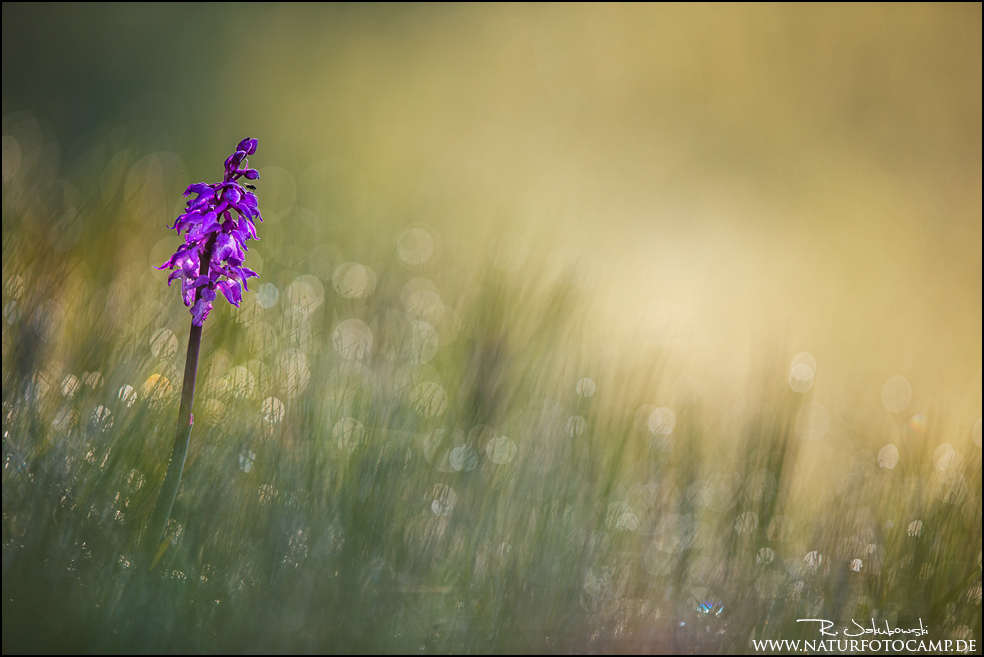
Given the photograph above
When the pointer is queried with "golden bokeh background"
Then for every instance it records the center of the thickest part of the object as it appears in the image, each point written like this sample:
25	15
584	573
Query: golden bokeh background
740	174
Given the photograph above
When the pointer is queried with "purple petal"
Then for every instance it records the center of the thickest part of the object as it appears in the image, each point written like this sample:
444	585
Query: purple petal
225	246
210	223
242	209
222	207
198	188
167	265
232	194
190	267
172	261
239	273
200	204
243	232
247	230
248	145
232	292
200	311
247	274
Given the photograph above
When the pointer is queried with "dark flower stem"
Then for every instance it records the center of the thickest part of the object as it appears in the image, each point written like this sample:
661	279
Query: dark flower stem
169	489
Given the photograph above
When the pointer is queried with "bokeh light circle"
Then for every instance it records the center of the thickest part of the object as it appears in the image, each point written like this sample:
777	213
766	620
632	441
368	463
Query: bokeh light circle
888	456
896	394
414	246
585	387
352	339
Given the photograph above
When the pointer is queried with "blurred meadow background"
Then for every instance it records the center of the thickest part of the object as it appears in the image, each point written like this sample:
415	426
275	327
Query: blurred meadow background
578	328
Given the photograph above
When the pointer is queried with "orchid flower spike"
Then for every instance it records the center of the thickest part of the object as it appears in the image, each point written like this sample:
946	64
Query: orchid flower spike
216	225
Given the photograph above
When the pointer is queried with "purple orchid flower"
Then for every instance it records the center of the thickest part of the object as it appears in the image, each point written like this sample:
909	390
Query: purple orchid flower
216	224
210	260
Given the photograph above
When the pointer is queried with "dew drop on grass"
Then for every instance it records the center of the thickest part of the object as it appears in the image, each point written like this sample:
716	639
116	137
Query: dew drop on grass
442	499
429	399
747	522
463	458
352	339
423	304
628	522
157	388
293	374
303	296
348	433
163	344
945	457
585	387
100	416
888	456
353	281
800	378
272	410
11	313
414	246
501	450
246	460
413	286
267	295
70	386
242	383
15	284
127	395
662	421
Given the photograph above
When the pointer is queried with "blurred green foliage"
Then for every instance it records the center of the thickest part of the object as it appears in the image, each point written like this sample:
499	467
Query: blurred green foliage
385	462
